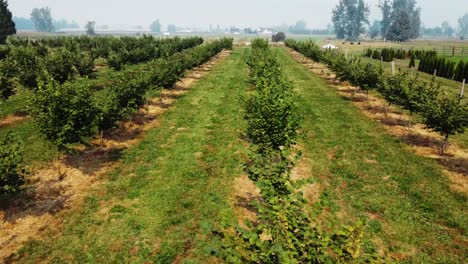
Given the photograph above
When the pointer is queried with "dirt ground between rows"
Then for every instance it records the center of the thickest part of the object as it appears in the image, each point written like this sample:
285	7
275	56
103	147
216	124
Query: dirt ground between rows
47	196
12	119
419	139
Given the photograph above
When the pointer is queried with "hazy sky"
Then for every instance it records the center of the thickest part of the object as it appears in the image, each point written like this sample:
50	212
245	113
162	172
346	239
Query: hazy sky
201	13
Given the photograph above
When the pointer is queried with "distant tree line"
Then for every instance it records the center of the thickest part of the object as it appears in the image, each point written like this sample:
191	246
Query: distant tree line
41	20
463	26
401	20
156	27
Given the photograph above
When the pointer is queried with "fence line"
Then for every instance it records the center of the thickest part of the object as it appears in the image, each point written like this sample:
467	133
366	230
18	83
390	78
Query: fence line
449	51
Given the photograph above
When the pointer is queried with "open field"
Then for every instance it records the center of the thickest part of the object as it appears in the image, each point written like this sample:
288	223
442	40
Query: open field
444	48
163	184
195	154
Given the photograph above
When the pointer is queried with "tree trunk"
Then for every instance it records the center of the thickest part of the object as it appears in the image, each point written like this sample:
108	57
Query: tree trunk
409	120
444	146
102	138
147	106
58	166
387	108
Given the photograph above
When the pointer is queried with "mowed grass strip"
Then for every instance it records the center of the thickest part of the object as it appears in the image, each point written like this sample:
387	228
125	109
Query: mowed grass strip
369	174
162	201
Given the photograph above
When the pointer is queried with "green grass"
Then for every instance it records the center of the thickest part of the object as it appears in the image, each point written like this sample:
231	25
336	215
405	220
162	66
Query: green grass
168	191
16	104
371	173
457	58
37	151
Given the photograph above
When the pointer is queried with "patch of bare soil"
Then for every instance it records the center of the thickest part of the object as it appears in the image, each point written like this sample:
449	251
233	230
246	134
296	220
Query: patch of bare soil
48	196
303	171
419	139
12	119
245	192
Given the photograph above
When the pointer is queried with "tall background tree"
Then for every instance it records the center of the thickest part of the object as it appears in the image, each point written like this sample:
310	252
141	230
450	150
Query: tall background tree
386	8
7	26
361	19
90	28
463	26
375	29
171	28
156	26
42	19
447	30
299	28
339	20
401	20
349	18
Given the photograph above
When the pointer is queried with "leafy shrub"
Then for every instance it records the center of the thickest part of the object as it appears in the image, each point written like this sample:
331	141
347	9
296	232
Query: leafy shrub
446	115
6	80
288	232
4	51
11	172
64	113
59	65
84	63
27	65
272	119
278	37
122	98
308	48
115	60
412	62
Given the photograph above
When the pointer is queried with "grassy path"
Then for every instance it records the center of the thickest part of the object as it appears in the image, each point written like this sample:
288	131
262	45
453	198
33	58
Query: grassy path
371	175
160	203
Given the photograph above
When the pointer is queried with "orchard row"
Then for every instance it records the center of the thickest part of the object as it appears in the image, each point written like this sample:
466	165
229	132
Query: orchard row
287	229
24	62
70	112
441	112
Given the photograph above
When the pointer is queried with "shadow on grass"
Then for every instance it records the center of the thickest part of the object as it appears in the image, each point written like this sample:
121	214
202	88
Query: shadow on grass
247	203
389	121
381	109
458	165
91	161
356	98
36	201
422	141
449	162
